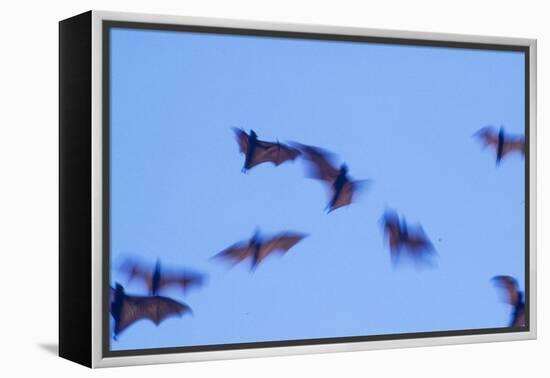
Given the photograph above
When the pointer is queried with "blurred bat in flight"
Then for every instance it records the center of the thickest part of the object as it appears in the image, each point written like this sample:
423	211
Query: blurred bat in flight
514	297
128	309
156	279
502	143
257	248
401	238
257	151
342	187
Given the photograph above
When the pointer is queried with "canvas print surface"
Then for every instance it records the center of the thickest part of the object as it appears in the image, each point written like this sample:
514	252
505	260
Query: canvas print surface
269	189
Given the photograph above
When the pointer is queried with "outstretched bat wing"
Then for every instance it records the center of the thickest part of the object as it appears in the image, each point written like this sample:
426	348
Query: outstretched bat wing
155	308
418	242
276	153
512	144
346	195
185	280
242	139
236	253
510	286
280	243
135	270
322	166
418	246
488	136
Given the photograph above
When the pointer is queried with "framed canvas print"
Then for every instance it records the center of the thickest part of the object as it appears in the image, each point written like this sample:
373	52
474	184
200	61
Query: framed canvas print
237	189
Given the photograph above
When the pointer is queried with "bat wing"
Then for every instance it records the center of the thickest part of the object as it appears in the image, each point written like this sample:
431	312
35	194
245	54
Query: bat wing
280	243
418	242
394	239
419	247
185	280
135	270
242	139
276	153
346	195
155	308
393	235
510	286
236	253
514	144
322	166
488	136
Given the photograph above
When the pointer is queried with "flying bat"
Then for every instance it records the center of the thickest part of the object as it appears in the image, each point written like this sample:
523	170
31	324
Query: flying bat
128	309
258	151
502	143
257	248
342	187
514	297
402	239
156	279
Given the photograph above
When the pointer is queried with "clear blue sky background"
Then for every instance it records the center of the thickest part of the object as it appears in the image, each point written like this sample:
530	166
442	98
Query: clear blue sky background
402	116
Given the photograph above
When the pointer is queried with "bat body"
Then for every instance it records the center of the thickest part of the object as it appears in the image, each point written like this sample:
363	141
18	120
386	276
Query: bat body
342	187
257	151
514	297
128	309
402	239
257	249
502	143
158	280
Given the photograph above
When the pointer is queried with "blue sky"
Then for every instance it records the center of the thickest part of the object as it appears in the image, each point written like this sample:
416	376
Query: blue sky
402	116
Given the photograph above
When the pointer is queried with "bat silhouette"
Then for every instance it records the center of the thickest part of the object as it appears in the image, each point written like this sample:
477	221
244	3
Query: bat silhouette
128	309
502	143
157	279
257	248
258	151
342	187
514	297
402	239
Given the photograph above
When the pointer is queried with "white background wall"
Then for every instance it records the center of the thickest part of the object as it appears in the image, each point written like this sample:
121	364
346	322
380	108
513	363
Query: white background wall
28	190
